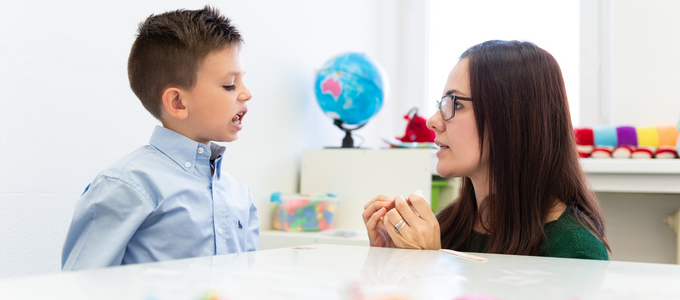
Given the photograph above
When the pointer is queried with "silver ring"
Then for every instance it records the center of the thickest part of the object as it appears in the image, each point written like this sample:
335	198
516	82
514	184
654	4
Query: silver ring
399	225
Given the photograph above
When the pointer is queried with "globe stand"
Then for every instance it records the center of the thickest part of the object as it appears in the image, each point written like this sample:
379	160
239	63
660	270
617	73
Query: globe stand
348	141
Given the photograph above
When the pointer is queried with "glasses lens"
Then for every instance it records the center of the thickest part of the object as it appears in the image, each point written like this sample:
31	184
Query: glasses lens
446	107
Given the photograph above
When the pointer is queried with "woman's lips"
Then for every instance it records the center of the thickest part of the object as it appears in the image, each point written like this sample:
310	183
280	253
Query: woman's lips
442	148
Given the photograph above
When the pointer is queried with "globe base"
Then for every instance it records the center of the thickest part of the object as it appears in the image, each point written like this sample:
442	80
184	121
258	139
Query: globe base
347	141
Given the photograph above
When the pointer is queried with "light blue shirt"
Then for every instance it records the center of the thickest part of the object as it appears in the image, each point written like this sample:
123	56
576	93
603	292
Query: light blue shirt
160	203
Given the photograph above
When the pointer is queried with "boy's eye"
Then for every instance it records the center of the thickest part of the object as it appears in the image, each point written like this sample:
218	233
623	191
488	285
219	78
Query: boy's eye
230	87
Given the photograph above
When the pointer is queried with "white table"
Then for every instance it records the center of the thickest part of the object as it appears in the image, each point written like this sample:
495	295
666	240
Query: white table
355	272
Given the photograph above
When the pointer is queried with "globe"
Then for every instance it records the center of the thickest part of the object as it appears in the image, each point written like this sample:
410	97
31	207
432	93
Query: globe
351	88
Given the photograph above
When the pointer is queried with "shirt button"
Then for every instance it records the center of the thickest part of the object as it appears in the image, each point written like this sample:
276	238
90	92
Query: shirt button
187	164
219	230
200	150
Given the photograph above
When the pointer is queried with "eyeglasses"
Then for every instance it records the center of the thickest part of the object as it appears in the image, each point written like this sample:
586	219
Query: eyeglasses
445	106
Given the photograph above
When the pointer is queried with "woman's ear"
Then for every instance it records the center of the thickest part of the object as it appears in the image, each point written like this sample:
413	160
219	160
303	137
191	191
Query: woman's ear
173	102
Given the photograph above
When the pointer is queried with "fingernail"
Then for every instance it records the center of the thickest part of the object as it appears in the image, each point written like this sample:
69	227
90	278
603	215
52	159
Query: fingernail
419	193
402	198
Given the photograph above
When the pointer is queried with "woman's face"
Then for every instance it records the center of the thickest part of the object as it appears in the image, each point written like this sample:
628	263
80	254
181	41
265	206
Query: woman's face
459	153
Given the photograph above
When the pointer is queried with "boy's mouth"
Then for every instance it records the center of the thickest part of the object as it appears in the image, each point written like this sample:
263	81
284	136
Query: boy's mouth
239	116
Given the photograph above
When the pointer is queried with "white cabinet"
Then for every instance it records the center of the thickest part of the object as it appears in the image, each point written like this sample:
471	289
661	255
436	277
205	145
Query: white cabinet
355	176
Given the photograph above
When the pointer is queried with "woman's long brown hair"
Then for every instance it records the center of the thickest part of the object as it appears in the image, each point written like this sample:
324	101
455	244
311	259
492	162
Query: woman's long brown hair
523	120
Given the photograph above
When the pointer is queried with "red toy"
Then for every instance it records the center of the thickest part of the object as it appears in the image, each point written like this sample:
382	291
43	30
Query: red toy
416	130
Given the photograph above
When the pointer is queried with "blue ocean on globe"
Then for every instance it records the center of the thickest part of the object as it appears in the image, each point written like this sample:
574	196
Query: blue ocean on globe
351	87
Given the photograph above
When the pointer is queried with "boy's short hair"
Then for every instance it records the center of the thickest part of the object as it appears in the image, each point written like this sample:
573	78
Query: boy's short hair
170	48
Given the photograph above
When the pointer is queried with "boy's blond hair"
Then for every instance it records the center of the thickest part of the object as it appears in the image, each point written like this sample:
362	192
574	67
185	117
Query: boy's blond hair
170	48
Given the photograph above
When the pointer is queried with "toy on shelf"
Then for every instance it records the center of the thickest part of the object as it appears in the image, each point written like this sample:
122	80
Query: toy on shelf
395	143
607	141
302	212
416	129
417	135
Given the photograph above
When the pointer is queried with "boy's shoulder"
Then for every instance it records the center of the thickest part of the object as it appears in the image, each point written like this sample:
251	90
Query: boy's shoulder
144	158
155	157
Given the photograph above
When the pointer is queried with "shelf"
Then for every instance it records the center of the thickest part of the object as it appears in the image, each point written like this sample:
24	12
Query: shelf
633	175
631	166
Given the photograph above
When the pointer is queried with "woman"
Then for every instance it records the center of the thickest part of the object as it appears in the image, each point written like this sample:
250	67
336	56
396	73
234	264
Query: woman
504	126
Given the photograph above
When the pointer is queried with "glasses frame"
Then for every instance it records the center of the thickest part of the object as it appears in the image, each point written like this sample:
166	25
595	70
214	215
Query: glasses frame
453	108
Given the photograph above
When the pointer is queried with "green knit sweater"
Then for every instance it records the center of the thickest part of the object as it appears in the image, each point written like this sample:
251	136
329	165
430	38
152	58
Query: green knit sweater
565	237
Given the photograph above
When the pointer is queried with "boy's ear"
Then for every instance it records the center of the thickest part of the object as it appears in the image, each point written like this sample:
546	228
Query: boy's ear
173	102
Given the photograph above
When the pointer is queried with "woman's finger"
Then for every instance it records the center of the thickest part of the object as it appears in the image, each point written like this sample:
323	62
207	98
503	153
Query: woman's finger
406	211
422	207
379	198
394	217
402	238
371	209
374	236
372	222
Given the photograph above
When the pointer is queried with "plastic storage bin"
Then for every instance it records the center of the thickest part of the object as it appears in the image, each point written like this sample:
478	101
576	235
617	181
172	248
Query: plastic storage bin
303	212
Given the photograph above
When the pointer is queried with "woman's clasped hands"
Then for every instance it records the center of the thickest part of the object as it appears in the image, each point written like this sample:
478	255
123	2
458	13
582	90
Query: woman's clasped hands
402	223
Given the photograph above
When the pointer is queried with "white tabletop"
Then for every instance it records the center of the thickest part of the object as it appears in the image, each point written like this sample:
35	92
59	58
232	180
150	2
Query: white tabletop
356	272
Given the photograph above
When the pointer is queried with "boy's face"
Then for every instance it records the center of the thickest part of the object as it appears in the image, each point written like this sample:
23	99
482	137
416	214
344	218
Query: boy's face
217	102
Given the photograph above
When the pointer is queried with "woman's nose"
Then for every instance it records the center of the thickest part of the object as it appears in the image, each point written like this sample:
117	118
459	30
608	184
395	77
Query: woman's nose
434	122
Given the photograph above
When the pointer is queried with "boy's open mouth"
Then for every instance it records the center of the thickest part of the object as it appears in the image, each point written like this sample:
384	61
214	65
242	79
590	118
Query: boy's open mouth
239	117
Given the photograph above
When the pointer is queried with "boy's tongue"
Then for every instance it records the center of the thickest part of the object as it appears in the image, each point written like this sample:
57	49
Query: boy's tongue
236	119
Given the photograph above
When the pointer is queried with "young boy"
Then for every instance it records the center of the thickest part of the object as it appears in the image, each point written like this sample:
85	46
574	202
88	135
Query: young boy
171	199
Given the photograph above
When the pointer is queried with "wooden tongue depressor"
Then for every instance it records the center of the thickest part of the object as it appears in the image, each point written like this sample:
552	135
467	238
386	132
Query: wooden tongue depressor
463	255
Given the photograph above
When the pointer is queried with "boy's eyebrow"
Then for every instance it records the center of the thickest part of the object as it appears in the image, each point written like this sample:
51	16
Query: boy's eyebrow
236	73
455	91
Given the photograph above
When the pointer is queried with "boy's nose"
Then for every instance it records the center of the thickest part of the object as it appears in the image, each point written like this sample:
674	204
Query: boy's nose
246	95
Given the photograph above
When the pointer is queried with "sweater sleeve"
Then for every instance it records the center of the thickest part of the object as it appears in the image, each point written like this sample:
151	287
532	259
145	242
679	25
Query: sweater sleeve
573	242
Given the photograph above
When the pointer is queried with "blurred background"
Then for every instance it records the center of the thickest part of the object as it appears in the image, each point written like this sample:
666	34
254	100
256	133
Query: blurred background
68	111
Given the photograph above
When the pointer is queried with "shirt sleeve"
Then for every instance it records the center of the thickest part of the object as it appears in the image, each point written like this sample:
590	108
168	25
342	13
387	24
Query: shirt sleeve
105	218
253	226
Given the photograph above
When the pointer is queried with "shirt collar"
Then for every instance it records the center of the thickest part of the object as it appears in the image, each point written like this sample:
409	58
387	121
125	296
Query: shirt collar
216	155
181	149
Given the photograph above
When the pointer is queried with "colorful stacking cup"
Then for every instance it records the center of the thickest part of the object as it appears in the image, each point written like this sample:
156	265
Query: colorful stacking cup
668	135
605	135
626	136
584	136
648	136
584	141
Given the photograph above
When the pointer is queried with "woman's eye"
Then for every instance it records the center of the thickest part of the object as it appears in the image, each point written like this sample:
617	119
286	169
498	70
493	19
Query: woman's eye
230	87
457	105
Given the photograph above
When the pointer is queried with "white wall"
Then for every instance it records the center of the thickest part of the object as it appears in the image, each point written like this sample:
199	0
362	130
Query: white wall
629	76
68	111
629	71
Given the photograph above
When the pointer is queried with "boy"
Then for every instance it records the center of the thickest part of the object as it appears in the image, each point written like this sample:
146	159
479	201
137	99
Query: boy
170	199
